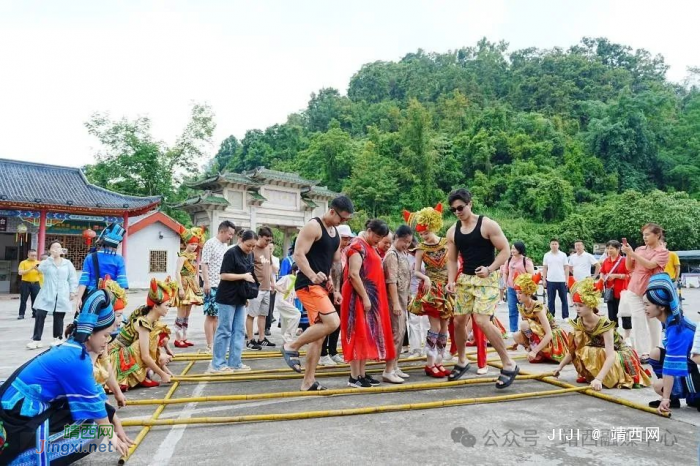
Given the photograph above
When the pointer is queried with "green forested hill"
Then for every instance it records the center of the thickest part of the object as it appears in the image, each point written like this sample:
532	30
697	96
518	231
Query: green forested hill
550	142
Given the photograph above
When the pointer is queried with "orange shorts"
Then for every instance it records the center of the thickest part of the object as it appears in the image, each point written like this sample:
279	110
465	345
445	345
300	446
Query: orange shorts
316	301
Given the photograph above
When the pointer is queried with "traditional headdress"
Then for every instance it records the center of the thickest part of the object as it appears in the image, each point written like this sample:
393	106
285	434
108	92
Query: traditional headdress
427	219
192	235
160	292
96	314
662	292
587	292
117	293
111	236
527	283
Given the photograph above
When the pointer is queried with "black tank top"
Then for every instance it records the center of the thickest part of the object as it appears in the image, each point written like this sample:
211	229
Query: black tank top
476	251
320	256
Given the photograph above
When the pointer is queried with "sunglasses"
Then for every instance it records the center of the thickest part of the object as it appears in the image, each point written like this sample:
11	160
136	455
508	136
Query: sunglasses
343	219
459	208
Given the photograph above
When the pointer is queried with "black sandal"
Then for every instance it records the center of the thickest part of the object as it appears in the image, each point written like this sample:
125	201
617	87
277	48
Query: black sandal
457	372
507	377
292	359
315	387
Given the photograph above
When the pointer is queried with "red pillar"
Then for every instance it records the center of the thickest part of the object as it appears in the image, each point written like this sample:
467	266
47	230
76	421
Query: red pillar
481	342
125	225
42	233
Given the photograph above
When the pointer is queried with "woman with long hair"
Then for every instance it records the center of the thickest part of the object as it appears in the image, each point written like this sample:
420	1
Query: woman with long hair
187	275
365	321
518	264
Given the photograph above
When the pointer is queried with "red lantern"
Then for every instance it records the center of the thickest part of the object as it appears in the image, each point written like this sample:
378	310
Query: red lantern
89	235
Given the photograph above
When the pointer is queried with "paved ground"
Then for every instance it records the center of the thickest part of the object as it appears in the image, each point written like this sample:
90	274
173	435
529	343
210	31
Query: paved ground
531	431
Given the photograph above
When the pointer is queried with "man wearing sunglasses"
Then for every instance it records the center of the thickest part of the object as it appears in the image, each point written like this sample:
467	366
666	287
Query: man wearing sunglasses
316	250
475	238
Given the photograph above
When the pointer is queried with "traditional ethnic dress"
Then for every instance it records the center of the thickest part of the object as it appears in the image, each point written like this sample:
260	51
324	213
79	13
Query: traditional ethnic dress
434	302
125	351
587	348
366	335
558	347
190	282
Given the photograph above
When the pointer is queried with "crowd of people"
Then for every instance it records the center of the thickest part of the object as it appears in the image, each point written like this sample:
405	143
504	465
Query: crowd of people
376	294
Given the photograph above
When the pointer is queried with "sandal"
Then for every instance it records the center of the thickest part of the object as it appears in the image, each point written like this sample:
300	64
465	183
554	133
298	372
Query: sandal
507	377
644	359
292	359
457	372
315	387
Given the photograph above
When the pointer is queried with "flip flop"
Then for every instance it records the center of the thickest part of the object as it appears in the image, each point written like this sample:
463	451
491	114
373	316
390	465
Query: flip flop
315	387
292	359
507	377
458	372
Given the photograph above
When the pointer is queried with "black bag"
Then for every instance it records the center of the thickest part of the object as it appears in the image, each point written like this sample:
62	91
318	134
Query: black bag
248	290
608	295
96	270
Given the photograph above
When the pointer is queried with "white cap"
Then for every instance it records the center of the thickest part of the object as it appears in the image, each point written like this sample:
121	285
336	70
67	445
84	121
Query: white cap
345	231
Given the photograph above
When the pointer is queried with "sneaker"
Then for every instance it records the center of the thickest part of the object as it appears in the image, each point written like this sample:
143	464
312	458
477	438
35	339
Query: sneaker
267	332
373	382
326	361
448	356
416	354
404	349
266	343
56	342
359	382
34	345
20	317
222	371
241	368
391	377
401	374
338	359
253	345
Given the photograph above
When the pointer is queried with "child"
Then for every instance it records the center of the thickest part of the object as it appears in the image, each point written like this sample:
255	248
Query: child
539	333
284	302
595	347
139	346
189	292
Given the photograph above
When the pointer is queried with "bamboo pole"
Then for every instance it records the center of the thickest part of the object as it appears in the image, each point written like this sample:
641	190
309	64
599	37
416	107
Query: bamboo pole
344	391
139	438
589	391
347	412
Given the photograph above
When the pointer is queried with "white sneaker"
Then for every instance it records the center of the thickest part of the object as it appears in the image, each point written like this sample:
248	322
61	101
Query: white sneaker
391	377
34	345
416	354
482	370
241	368
327	361
56	342
223	371
338	359
448	356
401	374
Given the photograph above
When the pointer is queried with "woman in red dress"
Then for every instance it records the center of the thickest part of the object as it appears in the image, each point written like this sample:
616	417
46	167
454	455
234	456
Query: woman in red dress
366	323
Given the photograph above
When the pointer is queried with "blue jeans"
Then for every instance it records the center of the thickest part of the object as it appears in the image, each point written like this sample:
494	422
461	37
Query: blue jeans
513	313
230	336
552	289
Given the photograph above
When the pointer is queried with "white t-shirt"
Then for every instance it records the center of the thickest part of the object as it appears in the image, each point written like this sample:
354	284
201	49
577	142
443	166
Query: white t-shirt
582	265
555	264
213	255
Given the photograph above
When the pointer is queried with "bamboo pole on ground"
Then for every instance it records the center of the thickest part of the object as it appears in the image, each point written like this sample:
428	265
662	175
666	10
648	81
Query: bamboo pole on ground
344	391
589	391
347	412
139	438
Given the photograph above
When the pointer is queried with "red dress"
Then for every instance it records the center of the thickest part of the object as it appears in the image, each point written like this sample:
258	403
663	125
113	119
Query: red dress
366	335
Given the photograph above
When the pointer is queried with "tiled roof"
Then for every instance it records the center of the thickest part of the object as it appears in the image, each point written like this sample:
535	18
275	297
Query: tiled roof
321	191
205	198
67	187
262	173
256	195
222	178
309	203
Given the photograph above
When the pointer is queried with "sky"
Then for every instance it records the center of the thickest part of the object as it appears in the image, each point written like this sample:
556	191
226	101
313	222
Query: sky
255	62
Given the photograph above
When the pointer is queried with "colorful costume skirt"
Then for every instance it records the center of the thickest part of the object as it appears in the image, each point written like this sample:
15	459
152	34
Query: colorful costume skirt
555	350
193	293
435	303
627	372
127	362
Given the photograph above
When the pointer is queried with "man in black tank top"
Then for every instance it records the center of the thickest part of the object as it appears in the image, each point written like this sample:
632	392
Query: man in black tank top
475	238
316	249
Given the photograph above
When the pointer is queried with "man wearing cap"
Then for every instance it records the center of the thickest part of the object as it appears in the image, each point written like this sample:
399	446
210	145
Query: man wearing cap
329	350
103	261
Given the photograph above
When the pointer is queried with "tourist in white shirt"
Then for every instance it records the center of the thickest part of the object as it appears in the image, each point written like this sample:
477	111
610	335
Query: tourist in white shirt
582	261
555	271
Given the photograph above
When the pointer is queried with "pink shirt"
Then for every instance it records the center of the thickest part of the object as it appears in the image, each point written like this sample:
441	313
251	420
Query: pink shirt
640	275
515	267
